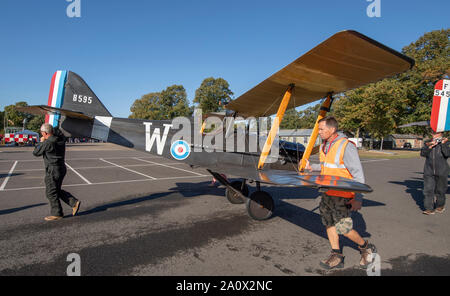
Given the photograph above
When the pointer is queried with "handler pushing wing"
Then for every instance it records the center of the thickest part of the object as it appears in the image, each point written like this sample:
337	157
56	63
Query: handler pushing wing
339	157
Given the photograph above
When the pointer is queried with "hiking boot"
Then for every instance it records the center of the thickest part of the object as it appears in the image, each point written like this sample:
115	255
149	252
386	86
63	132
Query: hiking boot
367	255
440	210
428	212
335	260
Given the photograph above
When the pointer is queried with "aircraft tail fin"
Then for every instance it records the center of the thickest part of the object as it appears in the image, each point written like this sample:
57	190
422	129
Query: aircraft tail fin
69	91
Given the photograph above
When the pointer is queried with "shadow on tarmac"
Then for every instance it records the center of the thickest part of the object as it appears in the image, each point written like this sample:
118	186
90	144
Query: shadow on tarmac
105	207
189	189
185	189
306	219
13	210
12	175
311	221
414	187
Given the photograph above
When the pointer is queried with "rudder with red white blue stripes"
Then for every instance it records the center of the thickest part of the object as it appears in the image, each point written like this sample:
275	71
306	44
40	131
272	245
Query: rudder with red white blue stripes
56	96
440	112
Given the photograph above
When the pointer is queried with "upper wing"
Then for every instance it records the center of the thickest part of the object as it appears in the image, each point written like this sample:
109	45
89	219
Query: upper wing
293	179
345	61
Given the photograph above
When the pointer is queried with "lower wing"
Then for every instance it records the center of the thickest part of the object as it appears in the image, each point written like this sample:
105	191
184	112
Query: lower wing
293	179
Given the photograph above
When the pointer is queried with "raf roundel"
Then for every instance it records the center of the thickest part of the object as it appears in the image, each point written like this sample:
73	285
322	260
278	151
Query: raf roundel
180	150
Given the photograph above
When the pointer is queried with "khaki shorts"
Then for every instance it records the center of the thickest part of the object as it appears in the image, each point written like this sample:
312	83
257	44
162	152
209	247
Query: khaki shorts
334	212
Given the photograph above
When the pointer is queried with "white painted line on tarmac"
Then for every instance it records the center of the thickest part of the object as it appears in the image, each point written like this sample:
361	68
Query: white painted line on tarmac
374	160
2	188
168	166
150	177
99	167
112	182
90	158
79	175
80	168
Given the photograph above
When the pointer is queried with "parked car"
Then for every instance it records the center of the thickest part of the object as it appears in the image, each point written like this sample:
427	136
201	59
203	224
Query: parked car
291	149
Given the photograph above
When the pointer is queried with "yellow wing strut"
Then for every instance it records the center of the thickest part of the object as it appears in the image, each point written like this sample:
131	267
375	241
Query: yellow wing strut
274	129
312	140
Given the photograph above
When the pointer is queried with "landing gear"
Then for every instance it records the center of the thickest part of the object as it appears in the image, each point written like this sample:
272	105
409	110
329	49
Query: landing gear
232	196
260	205
236	192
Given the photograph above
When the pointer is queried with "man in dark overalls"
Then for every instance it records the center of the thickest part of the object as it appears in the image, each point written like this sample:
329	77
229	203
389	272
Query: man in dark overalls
435	173
53	148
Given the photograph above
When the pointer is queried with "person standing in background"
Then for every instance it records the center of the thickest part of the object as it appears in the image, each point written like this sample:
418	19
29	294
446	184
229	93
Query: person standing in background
435	173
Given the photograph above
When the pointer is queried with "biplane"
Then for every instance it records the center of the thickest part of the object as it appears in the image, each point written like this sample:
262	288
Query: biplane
345	61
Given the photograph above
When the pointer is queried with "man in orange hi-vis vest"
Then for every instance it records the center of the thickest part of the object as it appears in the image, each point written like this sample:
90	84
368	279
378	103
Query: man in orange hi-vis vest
339	157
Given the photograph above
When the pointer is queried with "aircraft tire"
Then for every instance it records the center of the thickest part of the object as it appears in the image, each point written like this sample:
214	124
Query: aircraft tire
232	196
260	205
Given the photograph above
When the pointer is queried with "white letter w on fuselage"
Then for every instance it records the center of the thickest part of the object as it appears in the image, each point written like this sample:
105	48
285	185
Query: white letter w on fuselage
160	140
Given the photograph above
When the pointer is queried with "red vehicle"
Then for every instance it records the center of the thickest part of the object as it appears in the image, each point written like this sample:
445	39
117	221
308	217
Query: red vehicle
26	137
9	134
9	138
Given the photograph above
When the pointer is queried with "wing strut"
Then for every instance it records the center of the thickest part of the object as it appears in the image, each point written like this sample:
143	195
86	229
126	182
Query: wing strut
312	140
276	124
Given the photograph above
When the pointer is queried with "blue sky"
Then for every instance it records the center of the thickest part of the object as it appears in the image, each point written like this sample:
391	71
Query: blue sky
125	49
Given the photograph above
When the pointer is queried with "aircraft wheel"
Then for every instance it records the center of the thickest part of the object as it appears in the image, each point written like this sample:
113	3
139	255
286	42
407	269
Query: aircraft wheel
260	205
232	196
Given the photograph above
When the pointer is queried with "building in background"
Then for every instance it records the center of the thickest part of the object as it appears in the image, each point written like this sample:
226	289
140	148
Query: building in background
300	136
406	141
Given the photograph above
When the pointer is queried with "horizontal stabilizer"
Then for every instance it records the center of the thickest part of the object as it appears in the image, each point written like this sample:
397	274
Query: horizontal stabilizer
44	110
418	123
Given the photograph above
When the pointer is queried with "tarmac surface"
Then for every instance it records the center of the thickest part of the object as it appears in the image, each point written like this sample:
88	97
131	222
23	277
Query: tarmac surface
146	215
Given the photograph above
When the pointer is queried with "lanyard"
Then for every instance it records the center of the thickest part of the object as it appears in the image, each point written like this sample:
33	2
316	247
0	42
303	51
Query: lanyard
325	144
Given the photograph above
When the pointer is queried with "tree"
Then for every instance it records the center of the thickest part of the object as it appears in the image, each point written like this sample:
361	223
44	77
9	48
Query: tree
147	107
213	94
35	123
308	117
167	104
290	120
378	117
16	118
174	102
